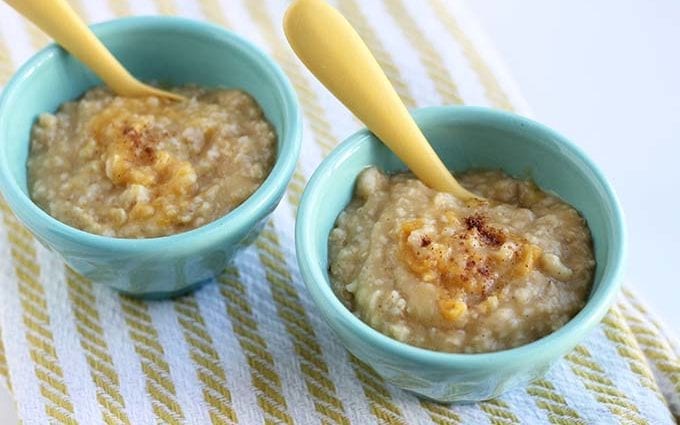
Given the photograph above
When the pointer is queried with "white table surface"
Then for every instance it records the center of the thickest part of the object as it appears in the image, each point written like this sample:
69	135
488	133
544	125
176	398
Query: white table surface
607	75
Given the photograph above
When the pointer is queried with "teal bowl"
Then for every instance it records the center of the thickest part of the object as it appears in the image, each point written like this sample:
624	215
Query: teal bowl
171	51
465	138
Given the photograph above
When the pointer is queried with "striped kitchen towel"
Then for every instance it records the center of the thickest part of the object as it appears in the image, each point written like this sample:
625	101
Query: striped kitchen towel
250	347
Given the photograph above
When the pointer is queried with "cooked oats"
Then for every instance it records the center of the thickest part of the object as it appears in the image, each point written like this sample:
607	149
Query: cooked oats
432	271
147	167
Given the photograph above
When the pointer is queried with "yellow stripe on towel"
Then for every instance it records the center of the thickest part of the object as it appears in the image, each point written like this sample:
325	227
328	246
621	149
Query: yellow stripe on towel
492	89
440	414
260	361
617	331
36	319
166	7
156	370
603	389
431	59
656	348
96	350
294	317
4	370
499	412
120	7
206	360
556	407
379	398
283	55
6	70
212	10
352	11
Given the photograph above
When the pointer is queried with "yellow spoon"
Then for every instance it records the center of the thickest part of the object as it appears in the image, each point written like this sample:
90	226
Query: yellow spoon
333	51
62	23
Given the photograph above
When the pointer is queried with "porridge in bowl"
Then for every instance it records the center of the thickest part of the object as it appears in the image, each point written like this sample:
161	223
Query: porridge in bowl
148	167
432	271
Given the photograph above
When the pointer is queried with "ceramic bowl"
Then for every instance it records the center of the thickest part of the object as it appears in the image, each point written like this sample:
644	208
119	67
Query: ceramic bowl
170	51
465	138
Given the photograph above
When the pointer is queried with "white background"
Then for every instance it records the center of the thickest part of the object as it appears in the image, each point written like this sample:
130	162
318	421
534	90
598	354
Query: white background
606	74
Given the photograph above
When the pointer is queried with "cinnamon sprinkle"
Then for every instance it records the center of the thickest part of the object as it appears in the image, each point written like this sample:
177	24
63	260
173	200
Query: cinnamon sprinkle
141	142
490	235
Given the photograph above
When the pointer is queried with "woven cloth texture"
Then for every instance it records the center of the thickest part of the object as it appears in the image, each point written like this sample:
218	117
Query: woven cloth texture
250	347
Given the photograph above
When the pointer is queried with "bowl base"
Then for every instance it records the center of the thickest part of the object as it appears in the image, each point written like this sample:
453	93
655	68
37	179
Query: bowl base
162	295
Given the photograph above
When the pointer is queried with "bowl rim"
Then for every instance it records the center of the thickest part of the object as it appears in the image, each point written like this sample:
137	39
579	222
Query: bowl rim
564	338
264	197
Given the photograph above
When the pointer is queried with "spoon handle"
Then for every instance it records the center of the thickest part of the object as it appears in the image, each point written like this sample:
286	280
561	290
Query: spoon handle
61	22
333	51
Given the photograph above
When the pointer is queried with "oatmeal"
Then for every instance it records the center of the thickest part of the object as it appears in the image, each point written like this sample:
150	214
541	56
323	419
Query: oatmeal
146	167
430	270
